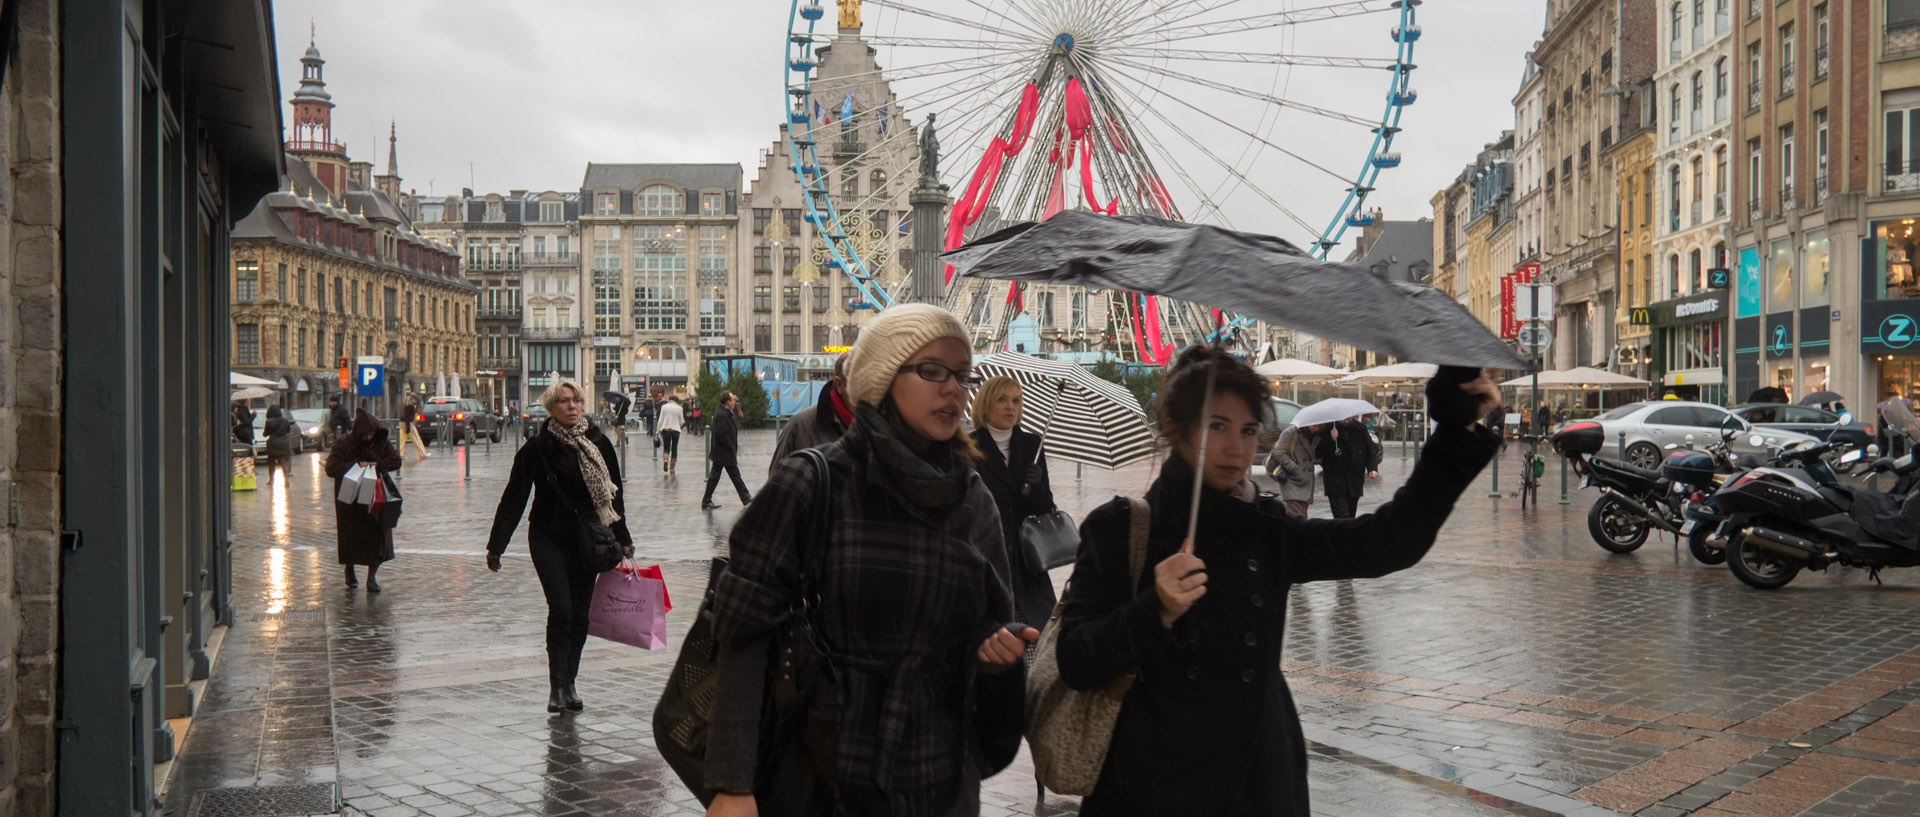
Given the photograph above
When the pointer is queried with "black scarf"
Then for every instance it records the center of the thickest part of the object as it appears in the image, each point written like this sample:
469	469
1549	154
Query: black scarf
926	484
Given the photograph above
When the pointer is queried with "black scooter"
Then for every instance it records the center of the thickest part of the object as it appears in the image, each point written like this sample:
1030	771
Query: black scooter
1633	501
1785	519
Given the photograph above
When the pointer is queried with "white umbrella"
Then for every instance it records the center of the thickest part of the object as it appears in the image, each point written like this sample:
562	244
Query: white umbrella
443	386
238	379
1394	373
1333	410
1580	376
253	393
1079	417
455	393
1288	368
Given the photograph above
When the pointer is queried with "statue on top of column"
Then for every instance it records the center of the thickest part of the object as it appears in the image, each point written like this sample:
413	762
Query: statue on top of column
849	13
929	151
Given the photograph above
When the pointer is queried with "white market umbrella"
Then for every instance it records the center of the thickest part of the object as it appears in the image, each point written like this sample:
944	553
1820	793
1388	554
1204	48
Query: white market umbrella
1393	373
1582	376
1079	417
1333	410
238	379
455	386
253	393
443	385
1291	369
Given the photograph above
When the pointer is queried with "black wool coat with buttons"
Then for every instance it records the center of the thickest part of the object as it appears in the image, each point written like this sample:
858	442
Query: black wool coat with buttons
1209	727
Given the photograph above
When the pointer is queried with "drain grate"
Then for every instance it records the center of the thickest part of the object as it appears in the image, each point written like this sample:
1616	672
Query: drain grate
292	615
265	801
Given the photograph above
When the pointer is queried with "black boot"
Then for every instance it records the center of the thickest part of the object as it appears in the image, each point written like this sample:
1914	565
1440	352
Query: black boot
567	693
352	580
373	586
555	701
571	698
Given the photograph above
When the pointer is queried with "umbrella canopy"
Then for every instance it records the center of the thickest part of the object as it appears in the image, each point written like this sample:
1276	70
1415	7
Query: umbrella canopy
1079	417
1393	373
238	379
1291	369
1769	394
1333	410
453	387
1254	275
253	393
442	387
1586	376
1820	397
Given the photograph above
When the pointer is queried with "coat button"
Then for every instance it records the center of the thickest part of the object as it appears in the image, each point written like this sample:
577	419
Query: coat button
1257	600
1193	673
1246	676
1250	639
1253	565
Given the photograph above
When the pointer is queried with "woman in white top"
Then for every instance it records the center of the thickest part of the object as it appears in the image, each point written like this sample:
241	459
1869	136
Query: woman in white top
673	420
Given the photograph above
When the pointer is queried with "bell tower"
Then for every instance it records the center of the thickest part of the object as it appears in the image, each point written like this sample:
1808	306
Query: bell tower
312	140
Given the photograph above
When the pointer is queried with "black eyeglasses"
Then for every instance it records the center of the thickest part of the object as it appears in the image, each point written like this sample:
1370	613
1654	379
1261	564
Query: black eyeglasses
936	373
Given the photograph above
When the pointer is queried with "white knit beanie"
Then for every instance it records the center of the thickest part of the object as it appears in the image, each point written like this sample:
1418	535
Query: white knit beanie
888	341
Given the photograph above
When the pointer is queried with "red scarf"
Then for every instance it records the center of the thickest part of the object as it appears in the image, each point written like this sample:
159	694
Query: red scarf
840	409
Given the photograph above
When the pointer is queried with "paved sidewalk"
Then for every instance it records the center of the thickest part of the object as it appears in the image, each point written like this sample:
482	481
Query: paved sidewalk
1518	670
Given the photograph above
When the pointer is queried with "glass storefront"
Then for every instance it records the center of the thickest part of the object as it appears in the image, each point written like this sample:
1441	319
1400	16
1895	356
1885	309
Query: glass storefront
1895	244
1780	275
1692	346
1816	269
1897	372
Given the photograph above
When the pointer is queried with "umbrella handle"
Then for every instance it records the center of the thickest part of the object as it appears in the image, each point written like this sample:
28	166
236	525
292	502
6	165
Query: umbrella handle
1200	457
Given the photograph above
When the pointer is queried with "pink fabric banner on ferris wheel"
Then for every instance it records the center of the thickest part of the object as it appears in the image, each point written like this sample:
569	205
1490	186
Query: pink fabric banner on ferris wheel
1158	348
990	175
1086	181
1023	119
1079	111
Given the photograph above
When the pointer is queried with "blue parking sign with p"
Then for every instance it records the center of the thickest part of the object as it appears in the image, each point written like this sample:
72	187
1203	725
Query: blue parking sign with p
369	380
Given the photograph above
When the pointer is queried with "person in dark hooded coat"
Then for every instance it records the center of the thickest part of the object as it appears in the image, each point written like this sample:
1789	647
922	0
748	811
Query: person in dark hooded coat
363	539
281	434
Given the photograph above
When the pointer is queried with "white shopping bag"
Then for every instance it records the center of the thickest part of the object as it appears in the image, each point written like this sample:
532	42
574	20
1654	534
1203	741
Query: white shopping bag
350	484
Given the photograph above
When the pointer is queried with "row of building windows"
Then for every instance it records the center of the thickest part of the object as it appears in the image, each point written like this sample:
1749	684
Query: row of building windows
290	349
662	200
346	299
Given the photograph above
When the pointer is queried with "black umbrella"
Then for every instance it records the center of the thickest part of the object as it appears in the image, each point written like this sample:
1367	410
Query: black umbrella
1768	394
1821	397
1255	275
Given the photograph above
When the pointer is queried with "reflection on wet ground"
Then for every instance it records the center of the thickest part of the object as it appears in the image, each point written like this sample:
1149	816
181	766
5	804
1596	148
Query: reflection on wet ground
1518	670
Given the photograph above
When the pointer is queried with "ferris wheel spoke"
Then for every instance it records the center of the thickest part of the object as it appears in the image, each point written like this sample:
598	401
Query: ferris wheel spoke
909	8
1265	141
960	43
924	69
1258	96
1255	22
1146	168
1155	16
1299	60
1225	165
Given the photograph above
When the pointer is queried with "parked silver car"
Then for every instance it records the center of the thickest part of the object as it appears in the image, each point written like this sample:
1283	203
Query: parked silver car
1646	429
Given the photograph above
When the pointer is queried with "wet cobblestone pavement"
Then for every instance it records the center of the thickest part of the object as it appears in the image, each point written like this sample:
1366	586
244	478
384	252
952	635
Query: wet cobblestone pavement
1518	670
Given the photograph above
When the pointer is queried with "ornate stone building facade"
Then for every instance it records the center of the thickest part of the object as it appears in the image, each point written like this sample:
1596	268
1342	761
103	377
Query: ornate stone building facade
321	273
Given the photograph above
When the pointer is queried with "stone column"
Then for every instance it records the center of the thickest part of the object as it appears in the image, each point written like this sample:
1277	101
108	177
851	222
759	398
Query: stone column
929	200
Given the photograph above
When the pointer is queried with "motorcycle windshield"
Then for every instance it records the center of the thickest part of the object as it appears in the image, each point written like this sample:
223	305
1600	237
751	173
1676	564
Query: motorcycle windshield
1901	419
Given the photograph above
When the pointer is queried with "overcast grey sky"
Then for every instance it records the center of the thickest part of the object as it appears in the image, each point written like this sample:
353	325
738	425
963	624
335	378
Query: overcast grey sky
523	95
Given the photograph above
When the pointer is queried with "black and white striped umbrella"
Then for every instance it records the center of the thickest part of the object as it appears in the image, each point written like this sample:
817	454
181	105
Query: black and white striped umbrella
1080	417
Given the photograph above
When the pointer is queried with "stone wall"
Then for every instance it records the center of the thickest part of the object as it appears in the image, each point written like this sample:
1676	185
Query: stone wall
30	394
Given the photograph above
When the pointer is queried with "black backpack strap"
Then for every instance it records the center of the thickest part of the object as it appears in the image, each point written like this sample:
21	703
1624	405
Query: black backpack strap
814	545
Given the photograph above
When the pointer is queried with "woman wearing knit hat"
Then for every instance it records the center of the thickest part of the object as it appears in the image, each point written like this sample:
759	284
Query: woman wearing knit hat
926	689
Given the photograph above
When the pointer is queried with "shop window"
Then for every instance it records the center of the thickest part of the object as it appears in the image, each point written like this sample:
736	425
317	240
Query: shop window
1895	244
1779	275
1816	256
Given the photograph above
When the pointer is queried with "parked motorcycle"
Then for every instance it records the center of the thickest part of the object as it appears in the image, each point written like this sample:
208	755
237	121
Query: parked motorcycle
1634	501
1782	520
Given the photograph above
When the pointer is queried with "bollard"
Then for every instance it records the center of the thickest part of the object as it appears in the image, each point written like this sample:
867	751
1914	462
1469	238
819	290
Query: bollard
1076	471
623	450
1563	482
1495	493
467	456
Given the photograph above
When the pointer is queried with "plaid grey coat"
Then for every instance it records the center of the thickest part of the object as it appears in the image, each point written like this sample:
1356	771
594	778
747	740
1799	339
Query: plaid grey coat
907	596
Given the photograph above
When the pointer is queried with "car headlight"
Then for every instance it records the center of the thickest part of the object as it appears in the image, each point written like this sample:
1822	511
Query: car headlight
312	432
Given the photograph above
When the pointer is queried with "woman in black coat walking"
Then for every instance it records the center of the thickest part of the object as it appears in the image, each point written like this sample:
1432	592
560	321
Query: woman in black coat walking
280	436
926	695
570	469
364	540
1349	457
1208	726
1015	471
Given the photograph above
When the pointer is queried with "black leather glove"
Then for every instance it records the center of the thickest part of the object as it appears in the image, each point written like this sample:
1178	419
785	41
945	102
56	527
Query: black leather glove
1446	403
493	561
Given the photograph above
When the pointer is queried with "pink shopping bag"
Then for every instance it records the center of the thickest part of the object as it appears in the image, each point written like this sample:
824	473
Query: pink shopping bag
630	607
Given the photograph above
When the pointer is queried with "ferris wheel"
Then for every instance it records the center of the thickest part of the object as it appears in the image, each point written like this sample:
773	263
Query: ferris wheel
1270	116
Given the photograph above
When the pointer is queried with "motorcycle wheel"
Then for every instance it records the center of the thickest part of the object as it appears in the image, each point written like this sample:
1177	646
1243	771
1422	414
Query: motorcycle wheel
1757	567
1697	545
1613	527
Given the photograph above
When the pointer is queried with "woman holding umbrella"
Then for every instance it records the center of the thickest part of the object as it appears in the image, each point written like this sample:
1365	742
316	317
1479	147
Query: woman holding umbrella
1015	471
1208	725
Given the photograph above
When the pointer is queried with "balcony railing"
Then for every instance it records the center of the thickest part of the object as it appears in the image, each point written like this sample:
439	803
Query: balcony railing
1698	206
553	258
505	313
302	144
1787	201
494	265
1753	9
1901	37
393	324
848	147
1719	205
1786	79
1754	211
550	333
1900	177
1820	188
1820	63
505	364
1753	96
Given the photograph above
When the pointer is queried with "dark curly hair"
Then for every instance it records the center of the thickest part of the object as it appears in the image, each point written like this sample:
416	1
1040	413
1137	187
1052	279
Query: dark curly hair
1184	393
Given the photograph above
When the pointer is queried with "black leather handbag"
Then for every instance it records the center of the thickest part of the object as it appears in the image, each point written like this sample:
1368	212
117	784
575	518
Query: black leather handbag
600	550
799	671
390	509
1049	540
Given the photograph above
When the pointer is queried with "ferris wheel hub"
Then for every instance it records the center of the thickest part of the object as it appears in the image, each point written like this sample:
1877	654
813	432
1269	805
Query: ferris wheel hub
1064	43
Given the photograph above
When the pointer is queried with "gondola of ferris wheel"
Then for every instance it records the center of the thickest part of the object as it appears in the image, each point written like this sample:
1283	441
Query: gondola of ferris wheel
1173	108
